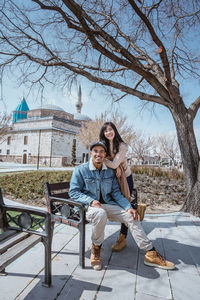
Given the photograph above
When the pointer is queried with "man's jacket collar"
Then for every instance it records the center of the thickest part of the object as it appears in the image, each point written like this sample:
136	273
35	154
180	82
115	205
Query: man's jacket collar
93	168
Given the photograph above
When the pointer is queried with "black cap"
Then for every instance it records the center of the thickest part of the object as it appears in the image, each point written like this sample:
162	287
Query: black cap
98	144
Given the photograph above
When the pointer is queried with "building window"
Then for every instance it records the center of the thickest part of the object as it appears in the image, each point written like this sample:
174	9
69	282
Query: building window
74	142
8	140
0	150
25	140
8	152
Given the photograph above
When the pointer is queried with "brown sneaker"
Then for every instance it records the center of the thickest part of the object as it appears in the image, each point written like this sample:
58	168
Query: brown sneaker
120	243
154	259
141	211
95	258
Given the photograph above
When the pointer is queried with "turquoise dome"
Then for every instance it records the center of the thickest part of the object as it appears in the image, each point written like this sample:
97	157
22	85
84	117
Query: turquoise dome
21	111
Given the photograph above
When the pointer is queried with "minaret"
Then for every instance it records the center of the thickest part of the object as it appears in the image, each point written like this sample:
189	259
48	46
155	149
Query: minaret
79	103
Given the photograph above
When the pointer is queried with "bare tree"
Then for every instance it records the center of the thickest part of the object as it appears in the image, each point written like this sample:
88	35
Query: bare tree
4	125
167	146
89	131
141	146
137	48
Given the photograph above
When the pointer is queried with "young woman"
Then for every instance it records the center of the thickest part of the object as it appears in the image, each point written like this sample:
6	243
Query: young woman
116	159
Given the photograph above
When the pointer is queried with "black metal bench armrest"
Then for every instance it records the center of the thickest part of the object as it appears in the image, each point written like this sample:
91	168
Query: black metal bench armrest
36	211
67	211
68	201
28	213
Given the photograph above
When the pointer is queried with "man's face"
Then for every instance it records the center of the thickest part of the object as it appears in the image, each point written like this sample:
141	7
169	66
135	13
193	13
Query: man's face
98	154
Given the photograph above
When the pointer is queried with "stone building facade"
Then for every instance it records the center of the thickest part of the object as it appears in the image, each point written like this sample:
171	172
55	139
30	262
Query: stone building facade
44	136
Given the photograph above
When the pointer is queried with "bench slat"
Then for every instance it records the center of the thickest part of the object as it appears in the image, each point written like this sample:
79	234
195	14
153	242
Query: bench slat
12	240
6	234
59	186
61	195
17	250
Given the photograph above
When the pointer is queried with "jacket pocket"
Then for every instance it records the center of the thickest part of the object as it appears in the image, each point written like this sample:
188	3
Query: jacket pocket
91	185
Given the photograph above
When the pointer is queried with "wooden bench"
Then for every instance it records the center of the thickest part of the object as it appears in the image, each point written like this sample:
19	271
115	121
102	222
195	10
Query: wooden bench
64	210
21	228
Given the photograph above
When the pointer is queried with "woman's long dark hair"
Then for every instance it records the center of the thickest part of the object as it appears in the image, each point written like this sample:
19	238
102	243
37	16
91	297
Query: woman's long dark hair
116	141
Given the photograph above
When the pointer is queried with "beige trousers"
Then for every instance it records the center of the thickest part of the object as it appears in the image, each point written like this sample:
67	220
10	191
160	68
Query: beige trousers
98	217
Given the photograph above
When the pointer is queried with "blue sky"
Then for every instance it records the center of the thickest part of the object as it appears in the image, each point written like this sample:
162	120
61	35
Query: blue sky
152	121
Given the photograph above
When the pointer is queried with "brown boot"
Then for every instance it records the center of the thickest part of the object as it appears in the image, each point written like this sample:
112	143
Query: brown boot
95	258
120	243
141	211
154	259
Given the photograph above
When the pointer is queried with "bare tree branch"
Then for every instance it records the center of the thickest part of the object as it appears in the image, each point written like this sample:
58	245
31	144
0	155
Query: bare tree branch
155	38
4	124
193	109
89	132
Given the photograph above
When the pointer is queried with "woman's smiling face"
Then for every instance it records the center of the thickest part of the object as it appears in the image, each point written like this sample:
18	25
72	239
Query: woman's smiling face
109	133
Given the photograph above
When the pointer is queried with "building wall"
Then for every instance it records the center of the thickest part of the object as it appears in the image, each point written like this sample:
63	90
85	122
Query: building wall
17	148
66	125
62	146
33	124
49	142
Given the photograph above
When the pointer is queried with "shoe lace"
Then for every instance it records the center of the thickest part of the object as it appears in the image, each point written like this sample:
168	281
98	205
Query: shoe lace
160	256
97	252
120	239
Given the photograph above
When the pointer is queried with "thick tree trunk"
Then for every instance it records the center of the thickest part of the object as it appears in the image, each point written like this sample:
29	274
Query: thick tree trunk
192	203
190	157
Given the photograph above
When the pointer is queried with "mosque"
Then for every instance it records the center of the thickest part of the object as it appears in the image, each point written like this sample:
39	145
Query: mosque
44	136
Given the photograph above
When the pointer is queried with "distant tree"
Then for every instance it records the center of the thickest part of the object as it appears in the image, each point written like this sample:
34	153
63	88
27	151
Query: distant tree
73	160
89	131
146	49
167	146
141	146
4	125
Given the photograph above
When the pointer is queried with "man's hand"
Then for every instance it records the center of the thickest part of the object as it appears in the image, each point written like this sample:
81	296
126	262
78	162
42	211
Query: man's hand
96	203
133	213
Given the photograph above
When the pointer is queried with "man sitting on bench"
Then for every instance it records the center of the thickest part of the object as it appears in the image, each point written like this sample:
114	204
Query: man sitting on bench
96	186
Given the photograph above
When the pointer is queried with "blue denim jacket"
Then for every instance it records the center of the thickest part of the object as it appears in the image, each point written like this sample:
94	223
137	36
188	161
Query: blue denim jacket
87	182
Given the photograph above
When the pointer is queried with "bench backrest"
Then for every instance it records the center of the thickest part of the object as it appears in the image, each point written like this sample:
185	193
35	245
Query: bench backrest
59	189
61	206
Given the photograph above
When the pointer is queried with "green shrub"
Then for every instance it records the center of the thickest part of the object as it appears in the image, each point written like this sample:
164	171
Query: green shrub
157	172
30	185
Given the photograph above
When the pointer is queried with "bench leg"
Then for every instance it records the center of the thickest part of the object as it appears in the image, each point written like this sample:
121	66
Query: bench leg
3	273
82	246
47	252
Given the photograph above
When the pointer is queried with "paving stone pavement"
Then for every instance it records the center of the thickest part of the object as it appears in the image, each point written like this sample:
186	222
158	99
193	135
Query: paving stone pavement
124	275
